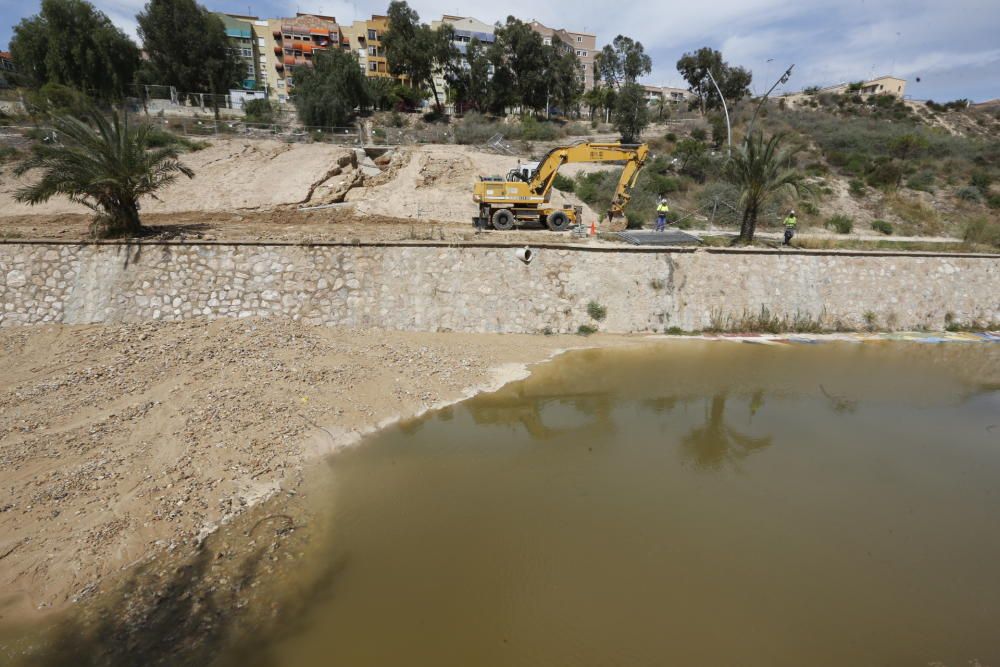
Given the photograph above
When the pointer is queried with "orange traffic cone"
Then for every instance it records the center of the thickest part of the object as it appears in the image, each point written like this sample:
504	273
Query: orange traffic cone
593	228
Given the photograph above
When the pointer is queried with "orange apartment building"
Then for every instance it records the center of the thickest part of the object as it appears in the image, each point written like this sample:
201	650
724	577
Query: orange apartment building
291	43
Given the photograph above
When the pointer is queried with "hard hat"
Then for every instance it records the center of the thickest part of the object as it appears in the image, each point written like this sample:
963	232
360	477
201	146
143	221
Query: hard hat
792	212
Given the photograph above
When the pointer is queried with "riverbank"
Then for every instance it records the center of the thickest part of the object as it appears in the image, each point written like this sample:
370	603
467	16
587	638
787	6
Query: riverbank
124	441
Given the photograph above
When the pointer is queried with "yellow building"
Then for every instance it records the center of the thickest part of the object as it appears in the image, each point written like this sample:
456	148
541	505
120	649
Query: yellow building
364	38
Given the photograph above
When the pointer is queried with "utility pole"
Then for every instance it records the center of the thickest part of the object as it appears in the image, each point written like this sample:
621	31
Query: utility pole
725	109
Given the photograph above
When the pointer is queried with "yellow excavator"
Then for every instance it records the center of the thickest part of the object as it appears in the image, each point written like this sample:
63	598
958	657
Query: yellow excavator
523	196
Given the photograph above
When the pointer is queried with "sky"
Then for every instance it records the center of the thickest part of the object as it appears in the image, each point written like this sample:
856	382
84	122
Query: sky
952	46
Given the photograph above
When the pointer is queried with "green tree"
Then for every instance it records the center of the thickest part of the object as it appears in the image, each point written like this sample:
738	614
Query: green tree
104	164
563	80
186	47
416	50
734	82
631	112
623	61
469	78
70	43
519	60
327	93
380	92
761	169
906	146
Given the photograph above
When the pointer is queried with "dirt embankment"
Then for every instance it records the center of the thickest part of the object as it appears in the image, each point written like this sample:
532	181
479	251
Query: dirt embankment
123	441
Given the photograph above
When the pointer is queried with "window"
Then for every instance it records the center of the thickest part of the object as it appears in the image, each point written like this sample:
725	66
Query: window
582	54
287	36
246	53
251	72
281	84
373	67
548	41
579	39
372	51
282	98
260	42
372	34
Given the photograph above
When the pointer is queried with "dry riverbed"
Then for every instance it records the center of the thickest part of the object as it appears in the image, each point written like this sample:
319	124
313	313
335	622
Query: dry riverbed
119	443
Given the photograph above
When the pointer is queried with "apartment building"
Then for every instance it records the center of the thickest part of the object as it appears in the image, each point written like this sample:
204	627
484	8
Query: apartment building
583	45
668	93
466	29
364	38
883	85
244	42
291	43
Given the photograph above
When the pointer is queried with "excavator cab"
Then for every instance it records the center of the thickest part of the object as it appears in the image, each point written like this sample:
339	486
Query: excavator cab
523	197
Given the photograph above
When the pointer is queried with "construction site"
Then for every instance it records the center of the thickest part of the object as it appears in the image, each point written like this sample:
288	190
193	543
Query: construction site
311	411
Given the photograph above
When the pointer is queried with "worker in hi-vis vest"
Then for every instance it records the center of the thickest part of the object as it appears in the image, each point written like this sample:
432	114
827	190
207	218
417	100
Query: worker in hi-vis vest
661	214
790	223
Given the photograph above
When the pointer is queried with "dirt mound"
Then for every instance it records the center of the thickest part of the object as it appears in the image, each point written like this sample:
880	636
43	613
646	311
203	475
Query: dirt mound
230	174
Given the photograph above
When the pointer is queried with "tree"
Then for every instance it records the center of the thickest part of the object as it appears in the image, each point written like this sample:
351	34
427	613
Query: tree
905	146
623	62
631	113
186	47
519	60
328	93
563	81
106	165
761	169
70	43
734	82
469	78
416	50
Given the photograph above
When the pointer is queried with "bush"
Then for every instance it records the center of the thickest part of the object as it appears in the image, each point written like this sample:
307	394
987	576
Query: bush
969	193
533	130
922	180
840	224
856	187
882	226
671	137
477	129
564	183
885	174
699	134
981	180
160	138
586	330
596	311
260	111
982	230
8	153
993	200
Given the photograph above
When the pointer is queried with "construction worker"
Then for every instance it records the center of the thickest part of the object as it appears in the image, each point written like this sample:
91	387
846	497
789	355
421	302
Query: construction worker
790	223
661	214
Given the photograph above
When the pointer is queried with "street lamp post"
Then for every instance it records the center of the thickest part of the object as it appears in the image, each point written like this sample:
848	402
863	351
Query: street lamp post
783	79
725	109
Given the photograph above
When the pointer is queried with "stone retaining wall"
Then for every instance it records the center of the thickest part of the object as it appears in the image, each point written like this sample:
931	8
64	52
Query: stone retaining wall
486	288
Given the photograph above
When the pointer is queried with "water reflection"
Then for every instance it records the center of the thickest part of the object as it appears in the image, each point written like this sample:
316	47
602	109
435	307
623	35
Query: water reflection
716	443
589	414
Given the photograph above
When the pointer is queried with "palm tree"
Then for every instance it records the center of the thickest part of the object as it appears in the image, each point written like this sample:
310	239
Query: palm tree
761	169
104	164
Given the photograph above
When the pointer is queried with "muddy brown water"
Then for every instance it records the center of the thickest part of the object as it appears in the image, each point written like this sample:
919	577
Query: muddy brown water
690	503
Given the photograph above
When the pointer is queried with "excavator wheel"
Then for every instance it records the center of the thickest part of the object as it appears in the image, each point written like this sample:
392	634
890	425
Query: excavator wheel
503	219
557	221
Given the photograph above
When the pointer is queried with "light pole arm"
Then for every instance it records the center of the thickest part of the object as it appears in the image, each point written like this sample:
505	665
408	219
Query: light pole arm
782	79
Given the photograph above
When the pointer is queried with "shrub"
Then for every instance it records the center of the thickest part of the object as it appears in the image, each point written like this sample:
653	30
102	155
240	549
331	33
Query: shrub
586	330
981	180
576	130
841	224
260	111
564	183
809	208
922	180
396	119
885	174
8	153
882	226
699	134
969	193
993	200
596	311
160	138
856	187
671	137
982	230
478	129
533	130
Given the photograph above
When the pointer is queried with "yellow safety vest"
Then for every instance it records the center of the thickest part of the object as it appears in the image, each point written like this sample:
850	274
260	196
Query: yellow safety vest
662	208
791	221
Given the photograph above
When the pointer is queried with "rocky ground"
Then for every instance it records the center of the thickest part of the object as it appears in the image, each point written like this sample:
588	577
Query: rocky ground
122	441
